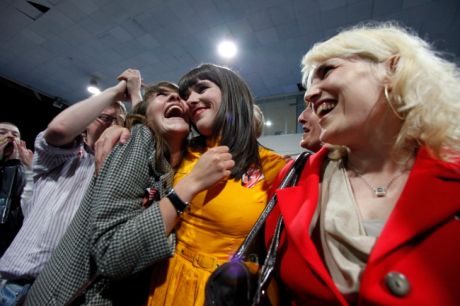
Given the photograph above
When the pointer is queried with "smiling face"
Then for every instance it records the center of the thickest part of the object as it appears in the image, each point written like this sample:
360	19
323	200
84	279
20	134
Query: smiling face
347	96
204	100
311	129
167	113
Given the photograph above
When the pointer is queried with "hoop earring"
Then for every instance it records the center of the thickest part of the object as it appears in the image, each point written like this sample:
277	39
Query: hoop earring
387	97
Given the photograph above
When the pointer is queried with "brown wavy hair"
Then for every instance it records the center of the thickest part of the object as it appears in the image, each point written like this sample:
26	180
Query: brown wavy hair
138	116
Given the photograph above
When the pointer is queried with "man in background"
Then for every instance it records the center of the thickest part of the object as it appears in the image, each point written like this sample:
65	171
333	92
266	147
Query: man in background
15	160
311	129
63	167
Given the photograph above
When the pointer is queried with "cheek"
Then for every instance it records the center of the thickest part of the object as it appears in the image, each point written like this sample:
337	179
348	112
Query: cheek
101	128
217	100
93	126
358	88
153	111
216	105
365	94
216	96
185	106
154	121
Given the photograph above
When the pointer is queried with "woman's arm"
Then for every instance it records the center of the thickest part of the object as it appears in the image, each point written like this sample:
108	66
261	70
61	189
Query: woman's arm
126	237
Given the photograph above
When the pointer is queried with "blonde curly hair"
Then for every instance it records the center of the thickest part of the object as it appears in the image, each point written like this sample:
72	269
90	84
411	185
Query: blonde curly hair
425	85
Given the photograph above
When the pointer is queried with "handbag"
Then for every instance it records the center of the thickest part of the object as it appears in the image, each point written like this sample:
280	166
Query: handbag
242	281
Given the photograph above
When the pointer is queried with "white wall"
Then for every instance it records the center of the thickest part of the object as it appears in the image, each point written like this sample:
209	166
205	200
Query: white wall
288	144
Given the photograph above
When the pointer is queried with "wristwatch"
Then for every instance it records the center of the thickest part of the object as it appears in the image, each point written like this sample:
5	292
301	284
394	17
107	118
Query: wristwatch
177	202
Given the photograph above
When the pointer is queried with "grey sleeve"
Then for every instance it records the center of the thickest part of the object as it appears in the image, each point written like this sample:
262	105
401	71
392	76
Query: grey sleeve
126	237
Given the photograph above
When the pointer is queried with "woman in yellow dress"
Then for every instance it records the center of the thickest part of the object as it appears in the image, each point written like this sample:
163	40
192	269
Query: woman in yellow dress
219	218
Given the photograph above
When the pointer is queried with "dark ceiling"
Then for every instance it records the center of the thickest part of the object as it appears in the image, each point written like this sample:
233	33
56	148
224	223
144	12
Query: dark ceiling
55	46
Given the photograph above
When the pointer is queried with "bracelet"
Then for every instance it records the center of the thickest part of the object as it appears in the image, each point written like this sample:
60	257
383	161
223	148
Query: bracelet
177	202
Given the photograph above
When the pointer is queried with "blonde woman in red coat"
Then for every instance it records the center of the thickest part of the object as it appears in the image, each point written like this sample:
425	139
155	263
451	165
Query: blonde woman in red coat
375	219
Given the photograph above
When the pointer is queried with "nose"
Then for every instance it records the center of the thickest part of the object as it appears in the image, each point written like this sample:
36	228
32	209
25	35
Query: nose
10	135
312	94
192	98
174	96
301	118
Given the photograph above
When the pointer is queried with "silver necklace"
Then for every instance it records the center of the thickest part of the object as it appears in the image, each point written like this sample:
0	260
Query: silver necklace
379	191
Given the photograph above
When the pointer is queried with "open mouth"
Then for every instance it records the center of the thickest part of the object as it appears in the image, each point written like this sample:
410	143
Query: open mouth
8	150
324	108
174	111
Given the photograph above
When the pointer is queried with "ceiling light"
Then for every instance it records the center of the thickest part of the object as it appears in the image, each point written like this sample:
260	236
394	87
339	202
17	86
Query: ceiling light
268	123
93	86
227	49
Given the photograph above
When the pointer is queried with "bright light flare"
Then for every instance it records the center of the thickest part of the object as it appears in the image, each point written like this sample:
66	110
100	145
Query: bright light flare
93	90
227	49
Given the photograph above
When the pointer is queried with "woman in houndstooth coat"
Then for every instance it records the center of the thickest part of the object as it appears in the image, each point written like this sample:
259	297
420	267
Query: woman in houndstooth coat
124	223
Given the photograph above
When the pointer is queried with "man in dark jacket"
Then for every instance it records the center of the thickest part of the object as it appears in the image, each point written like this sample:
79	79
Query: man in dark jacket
15	158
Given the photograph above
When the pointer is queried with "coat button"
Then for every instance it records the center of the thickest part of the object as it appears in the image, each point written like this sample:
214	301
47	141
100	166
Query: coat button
397	283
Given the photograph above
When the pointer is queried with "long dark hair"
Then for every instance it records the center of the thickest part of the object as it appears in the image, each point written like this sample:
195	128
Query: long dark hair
233	125
138	115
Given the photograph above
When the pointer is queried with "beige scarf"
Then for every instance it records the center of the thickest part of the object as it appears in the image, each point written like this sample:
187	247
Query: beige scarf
345	240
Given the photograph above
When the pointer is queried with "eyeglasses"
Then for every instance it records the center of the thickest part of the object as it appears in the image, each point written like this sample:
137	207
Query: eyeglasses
106	118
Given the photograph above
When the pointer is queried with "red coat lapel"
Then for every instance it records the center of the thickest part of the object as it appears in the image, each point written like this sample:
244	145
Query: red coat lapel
430	197
297	205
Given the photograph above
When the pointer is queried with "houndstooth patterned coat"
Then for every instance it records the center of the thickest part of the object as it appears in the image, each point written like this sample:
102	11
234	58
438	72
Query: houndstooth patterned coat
112	231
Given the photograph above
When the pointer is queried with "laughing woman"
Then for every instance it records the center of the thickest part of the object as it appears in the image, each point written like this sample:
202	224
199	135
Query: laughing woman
376	221
219	218
129	210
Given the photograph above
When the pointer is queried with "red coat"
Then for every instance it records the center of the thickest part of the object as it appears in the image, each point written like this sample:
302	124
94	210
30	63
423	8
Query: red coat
420	242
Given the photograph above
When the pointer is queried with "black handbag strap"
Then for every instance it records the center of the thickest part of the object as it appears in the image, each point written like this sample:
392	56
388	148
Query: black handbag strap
290	179
269	264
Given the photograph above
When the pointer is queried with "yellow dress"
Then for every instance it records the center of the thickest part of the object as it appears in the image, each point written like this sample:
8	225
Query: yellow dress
211	231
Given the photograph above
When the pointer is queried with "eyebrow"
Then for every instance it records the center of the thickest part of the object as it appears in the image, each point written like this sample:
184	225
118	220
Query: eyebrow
315	69
309	79
166	91
205	81
5	130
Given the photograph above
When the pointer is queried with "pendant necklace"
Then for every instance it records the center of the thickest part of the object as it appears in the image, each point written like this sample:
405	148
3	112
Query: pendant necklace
379	191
